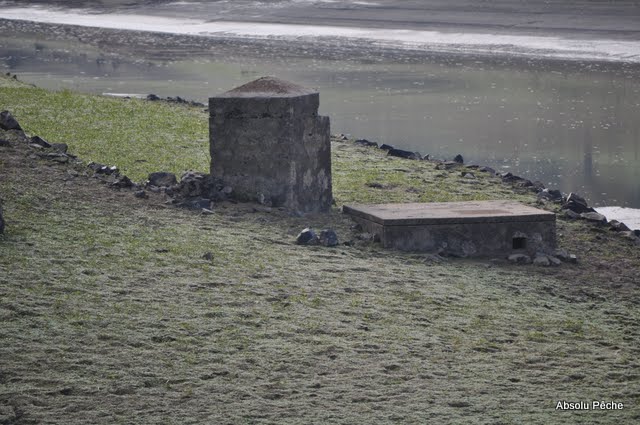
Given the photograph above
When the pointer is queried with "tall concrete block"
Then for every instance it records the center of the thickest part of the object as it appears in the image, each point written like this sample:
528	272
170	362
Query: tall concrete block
268	143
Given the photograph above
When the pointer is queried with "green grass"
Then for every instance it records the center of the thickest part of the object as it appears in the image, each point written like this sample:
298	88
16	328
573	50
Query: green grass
110	313
137	136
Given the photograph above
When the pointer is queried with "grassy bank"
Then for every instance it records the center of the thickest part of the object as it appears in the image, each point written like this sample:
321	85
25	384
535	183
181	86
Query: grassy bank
111	314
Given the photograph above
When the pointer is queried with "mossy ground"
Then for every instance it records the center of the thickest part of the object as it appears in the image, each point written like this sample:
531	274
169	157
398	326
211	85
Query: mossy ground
110	313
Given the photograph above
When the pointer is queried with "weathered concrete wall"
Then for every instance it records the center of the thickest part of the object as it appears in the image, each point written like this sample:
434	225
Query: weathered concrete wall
468	240
268	143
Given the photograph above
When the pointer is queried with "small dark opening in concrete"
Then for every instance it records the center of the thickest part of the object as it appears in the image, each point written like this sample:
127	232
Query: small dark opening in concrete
519	243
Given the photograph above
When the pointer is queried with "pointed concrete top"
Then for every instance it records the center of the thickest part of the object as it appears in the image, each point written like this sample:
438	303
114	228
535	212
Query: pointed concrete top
268	87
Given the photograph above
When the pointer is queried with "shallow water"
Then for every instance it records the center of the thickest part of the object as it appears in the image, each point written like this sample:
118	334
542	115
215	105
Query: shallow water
572	125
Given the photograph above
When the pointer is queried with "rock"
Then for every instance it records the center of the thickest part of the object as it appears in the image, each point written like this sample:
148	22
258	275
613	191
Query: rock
208	256
95	166
426	157
162	179
37	140
192	184
577	204
307	237
554	261
510	178
197	204
538	186
571	214
447	165
618	226
122	182
637	232
631	235
365	142
4	143
553	195
140	194
523	183
561	253
386	147
458	158
108	170
541	260
487	170
152	97
328	237
519	258
8	122
433	258
403	154
468	175
56	157
227	190
60	147
594	217
1	220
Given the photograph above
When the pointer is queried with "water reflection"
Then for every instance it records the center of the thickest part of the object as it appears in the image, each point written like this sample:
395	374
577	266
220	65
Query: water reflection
571	126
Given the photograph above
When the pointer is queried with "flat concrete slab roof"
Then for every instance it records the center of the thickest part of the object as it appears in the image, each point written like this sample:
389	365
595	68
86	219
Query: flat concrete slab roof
448	213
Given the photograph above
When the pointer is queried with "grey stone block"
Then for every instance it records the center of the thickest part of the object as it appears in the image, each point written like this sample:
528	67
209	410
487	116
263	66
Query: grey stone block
465	229
268	143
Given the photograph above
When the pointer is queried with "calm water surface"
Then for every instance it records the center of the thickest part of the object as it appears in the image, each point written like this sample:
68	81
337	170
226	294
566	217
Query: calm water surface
572	125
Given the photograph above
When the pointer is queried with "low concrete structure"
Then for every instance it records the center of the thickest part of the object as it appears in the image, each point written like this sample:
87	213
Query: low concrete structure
470	229
269	144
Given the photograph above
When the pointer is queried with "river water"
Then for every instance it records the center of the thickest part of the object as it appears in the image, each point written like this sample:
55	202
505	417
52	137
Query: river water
550	103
